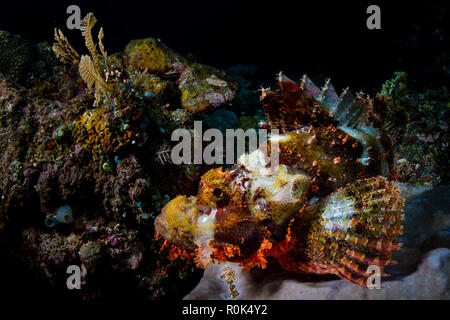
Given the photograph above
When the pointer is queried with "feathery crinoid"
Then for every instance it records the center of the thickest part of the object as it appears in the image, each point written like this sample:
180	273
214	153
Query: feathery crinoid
103	52
93	78
90	69
89	66
63	50
87	24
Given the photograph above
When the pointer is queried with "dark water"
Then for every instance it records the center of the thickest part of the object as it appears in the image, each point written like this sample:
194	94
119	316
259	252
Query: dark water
326	38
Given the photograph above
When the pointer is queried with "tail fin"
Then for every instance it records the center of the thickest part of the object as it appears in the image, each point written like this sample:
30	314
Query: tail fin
354	228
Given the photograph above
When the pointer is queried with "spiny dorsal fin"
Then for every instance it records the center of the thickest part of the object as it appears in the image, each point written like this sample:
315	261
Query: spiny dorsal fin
305	104
329	95
309	87
292	106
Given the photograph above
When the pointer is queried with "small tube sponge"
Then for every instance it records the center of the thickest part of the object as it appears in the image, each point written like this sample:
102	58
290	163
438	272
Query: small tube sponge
63	215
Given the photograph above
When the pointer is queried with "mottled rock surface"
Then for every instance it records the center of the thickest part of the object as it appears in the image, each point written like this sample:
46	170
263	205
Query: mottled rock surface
422	271
22	61
57	149
201	87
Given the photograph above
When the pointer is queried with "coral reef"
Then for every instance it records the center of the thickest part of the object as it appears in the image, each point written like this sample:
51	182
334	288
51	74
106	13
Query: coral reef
202	87
395	89
95	132
149	54
90	69
420	134
80	180
23	62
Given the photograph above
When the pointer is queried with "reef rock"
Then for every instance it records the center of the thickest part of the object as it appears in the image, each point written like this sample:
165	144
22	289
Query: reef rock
422	272
53	156
201	87
22	61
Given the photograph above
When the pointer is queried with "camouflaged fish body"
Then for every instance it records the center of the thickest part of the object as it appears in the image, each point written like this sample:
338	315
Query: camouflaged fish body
325	208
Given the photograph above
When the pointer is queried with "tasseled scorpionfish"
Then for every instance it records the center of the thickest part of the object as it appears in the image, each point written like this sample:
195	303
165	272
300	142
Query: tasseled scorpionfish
325	208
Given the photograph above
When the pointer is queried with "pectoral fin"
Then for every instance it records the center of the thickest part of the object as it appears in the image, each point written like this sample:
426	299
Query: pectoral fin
352	229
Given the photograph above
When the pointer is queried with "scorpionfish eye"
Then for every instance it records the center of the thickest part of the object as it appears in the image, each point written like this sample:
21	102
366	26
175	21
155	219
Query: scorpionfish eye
214	189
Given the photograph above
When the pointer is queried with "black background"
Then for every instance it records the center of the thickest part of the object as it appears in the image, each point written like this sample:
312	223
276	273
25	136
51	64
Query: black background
327	38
